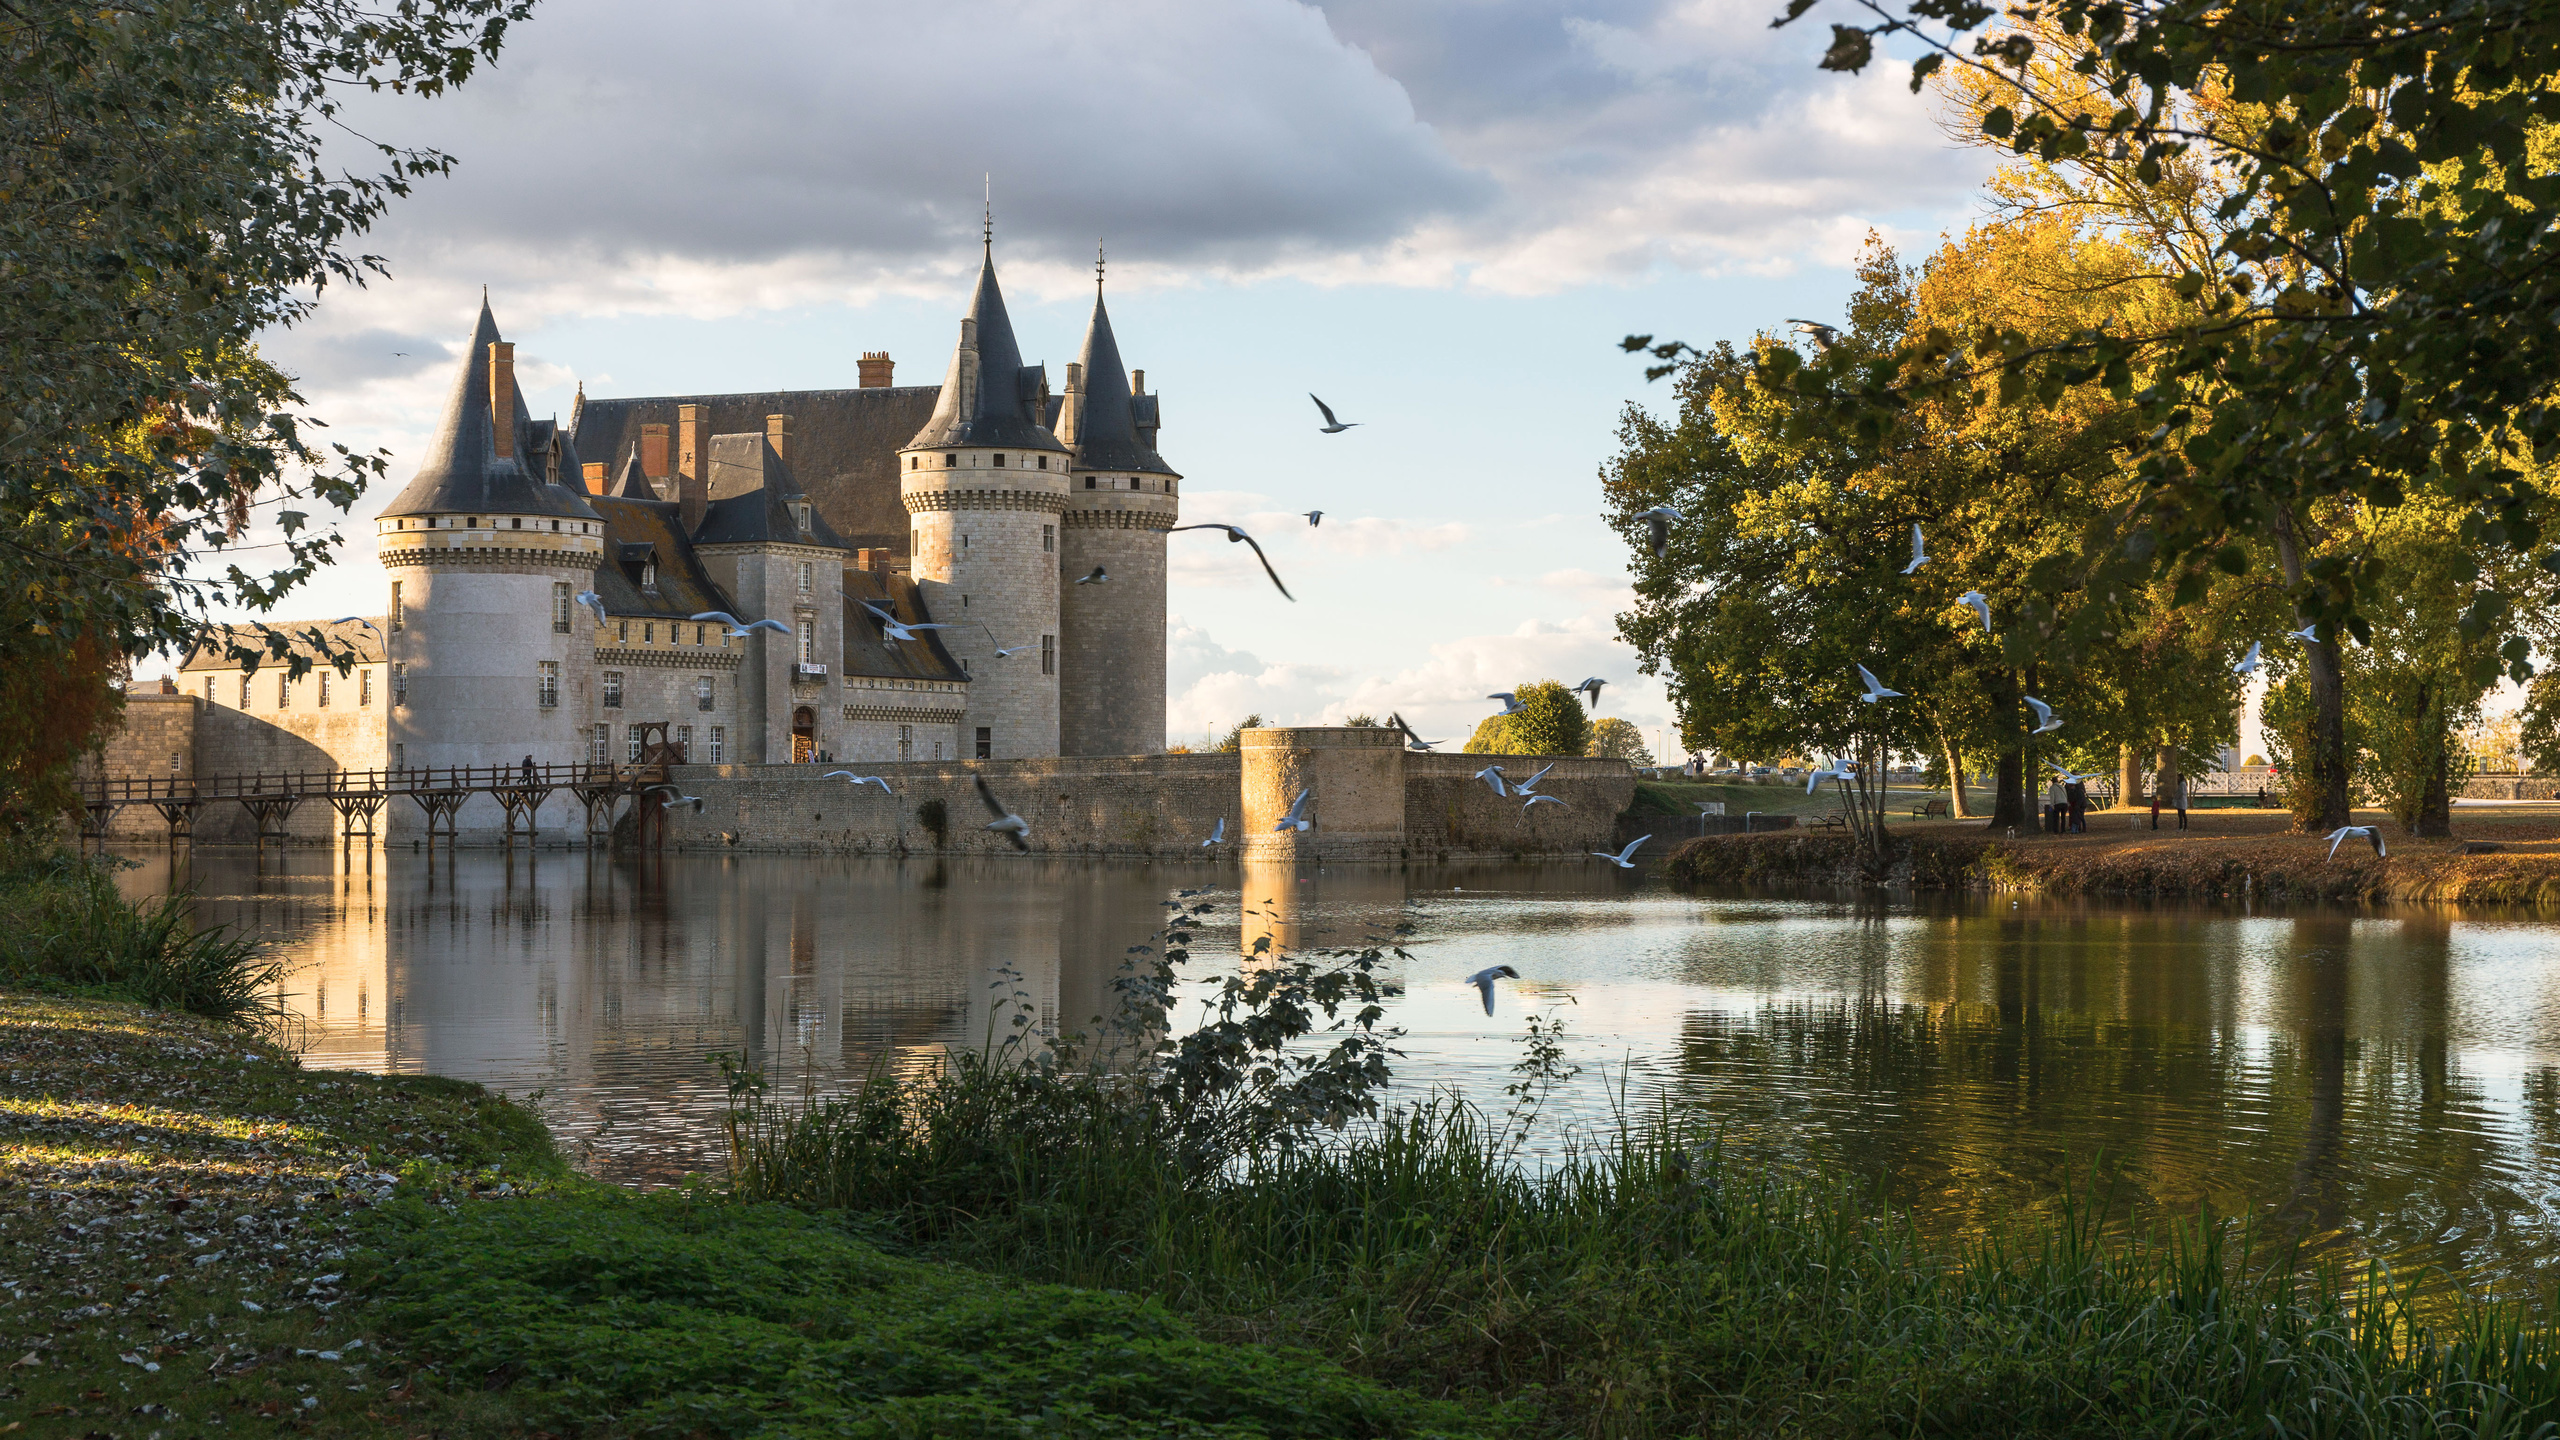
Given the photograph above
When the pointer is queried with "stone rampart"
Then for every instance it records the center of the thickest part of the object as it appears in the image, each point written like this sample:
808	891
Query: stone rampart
1449	814
1159	805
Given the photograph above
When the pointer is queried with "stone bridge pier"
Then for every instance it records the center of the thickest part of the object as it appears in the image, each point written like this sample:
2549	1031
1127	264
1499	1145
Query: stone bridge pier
1356	782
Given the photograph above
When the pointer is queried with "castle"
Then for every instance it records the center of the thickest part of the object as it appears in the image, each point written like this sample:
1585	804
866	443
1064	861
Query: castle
540	602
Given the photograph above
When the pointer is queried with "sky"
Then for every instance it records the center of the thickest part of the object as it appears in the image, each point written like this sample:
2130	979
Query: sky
1440	215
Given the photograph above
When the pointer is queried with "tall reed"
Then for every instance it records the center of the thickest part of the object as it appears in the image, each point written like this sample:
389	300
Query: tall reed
69	928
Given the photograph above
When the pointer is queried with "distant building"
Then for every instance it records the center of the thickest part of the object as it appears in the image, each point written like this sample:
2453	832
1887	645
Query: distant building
972	507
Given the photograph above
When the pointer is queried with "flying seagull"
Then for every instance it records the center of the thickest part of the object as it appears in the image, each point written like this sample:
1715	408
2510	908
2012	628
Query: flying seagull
1591	690
359	620
1096	578
1875	687
739	629
2369	832
1314	518
1483	981
1659	519
1015	828
1234	535
2072	777
1217	836
1416	741
2044	715
897	629
1919	550
1834	773
1542	800
1981	604
681	798
594	603
1824	336
1297	819
1510	700
1523	787
858	781
1622	859
2248	665
1331	426
1492	775
2308	634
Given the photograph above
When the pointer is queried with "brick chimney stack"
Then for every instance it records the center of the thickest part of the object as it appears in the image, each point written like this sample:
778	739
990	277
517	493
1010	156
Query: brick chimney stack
502	397
595	476
874	368
777	433
653	452
693	469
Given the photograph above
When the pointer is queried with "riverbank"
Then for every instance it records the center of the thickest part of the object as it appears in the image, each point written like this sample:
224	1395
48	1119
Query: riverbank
2495	857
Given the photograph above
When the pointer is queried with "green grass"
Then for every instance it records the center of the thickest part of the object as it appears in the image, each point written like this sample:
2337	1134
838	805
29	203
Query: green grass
1681	798
1648	1285
70	932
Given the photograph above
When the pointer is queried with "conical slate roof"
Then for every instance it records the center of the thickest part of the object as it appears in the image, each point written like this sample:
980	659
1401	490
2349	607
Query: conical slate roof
1104	421
633	482
989	397
462	470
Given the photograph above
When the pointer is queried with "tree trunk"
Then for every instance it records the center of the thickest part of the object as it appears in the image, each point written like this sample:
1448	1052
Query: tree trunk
2435	806
1956	804
2325	768
2009	804
2128	776
2169	774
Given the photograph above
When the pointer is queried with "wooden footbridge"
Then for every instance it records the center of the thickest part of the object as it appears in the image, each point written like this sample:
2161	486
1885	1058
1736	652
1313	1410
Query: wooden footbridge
360	796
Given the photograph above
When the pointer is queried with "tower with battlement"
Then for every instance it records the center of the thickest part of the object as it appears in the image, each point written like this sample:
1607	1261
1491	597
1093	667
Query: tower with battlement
985	485
1121	499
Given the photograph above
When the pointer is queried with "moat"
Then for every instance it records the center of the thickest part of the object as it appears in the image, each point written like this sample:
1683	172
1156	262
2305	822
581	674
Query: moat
2383	1081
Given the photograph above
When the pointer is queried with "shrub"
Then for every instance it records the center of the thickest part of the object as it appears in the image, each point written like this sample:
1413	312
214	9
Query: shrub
72	930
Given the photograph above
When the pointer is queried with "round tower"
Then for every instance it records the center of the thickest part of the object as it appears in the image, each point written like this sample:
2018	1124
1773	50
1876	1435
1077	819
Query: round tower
1121	499
487	550
984	484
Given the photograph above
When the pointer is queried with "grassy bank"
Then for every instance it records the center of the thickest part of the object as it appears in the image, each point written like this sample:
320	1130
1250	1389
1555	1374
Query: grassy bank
69	932
2229	859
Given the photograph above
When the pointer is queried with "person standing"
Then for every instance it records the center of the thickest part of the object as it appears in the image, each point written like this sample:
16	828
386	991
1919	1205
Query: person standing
2053	806
2075	794
2182	802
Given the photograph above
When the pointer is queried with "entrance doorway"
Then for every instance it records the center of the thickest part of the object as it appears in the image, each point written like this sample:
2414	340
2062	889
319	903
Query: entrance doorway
804	735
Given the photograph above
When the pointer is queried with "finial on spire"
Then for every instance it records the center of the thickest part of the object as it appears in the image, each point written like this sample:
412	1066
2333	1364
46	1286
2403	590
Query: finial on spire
987	237
1097	267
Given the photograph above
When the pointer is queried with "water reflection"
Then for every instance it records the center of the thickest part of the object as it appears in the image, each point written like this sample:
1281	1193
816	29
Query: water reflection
2388	1082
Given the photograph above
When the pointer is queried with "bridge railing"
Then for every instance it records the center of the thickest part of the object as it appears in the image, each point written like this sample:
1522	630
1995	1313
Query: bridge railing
321	784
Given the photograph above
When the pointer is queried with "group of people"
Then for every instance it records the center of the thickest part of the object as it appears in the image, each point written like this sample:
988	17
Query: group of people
2066	804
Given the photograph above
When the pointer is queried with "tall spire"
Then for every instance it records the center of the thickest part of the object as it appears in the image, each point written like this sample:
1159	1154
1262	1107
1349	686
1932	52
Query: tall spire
989	397
1105	422
461	469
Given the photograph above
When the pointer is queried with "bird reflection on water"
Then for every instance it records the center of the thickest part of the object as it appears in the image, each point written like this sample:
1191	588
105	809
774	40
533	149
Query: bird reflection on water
2387	1082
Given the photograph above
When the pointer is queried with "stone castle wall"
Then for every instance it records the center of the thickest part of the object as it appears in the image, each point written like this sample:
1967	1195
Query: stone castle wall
1448	813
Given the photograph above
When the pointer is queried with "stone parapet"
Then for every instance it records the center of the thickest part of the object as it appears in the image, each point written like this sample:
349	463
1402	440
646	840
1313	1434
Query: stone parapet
1354	780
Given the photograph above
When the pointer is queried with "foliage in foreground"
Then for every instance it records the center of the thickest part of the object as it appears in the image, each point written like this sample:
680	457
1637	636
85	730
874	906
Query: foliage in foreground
670	1314
71	930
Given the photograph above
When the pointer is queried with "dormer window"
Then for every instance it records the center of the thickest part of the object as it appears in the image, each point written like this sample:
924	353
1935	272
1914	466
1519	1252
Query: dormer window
648	574
800	515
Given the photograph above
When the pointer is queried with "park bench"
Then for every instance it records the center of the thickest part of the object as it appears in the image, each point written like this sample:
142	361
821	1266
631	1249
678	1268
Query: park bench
1825	822
1934	807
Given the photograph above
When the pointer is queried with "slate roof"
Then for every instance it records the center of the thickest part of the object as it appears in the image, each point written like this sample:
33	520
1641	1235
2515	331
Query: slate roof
1103	431
341	635
637	529
751	490
989	397
844	445
462	470
867	651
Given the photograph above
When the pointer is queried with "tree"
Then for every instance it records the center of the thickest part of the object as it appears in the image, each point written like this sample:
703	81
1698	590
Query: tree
2538	723
1613	738
1550	721
1234	738
167	203
1491	737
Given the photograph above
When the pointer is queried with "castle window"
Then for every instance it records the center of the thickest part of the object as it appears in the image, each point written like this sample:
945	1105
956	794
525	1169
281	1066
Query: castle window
560	607
719	743
937	749
649	633
906	742
399	757
805	629
1048	654
999	459
399	611
517	523
684	738
1048	539
613	689
800	517
284	691
949	459
697	634
808	574
399	683
1044	462
702	692
244	689
913	460
208	690
547	684
649	575
364	687
324	689
1089	482
632	745
555	525
621	632
600	745
986	743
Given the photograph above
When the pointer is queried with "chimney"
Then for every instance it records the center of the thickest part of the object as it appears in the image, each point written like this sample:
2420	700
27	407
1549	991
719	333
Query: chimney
874	368
502	397
653	451
693	470
1137	382
595	477
777	433
168	686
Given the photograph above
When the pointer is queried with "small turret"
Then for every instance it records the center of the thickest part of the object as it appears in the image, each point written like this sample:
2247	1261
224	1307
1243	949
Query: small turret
1121	499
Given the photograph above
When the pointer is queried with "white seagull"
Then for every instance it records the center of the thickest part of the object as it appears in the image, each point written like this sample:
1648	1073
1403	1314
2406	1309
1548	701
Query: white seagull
1510	700
1314	518
1591	690
2308	634
1297	819
739	629
2073	777
1834	773
2044	715
897	629
1981	604
2369	832
681	798
2248	665
1331	426
594	603
1416	741
1217	836
1919	550
1542	800
1483	981
1660	518
859	781
1096	578
1492	775
1015	828
1234	535
1875	687
1523	787
1824	336
1621	859
359	620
